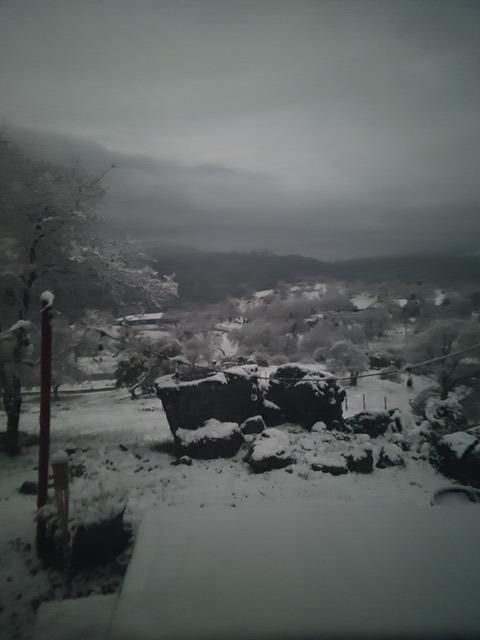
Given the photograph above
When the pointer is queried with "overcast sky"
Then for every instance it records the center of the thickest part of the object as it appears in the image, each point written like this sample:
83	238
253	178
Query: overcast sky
334	129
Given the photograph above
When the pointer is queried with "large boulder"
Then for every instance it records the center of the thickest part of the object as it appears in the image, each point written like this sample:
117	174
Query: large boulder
214	439
374	423
457	455
270	450
230	396
306	395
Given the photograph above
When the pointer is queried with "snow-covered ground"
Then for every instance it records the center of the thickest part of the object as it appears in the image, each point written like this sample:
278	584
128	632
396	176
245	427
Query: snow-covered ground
364	300
92	427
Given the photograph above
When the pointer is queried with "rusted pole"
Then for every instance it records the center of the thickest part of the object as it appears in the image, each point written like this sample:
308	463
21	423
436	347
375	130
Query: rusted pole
45	391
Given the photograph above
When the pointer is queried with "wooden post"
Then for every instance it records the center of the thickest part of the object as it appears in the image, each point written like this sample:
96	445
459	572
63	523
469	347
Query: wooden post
385	402
364	404
60	483
44	436
346	402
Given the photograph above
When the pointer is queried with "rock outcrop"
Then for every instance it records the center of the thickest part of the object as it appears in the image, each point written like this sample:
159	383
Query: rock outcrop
306	395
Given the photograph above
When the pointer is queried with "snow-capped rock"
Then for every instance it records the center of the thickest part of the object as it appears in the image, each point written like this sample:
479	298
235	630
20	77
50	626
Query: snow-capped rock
270	450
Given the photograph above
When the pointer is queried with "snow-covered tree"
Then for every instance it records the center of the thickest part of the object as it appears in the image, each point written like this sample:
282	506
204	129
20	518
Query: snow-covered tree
144	359
126	274
446	338
49	225
335	300
346	357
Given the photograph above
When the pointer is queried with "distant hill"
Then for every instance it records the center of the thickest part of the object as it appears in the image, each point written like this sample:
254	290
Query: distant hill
443	270
210	277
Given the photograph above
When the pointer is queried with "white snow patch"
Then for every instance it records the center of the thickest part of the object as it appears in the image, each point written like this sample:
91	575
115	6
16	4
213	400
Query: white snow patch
319	427
439	297
59	457
142	317
75	619
358	452
459	442
212	430
168	381
263	294
364	300
272	442
96	500
47	298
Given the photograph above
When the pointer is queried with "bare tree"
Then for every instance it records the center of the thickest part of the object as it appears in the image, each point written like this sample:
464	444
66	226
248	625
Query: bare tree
49	225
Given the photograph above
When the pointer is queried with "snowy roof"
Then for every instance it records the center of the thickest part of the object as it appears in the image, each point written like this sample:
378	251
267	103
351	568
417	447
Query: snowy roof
142	317
264	293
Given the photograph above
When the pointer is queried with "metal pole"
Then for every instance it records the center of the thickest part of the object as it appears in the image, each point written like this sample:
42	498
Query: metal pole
44	436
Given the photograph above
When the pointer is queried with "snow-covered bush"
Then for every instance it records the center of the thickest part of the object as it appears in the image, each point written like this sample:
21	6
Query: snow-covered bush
419	402
448	338
445	416
92	502
96	529
144	361
344	356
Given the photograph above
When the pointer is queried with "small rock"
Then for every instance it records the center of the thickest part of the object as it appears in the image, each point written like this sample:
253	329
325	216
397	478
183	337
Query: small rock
255	424
360	460
185	460
336	465
390	456
29	488
122	447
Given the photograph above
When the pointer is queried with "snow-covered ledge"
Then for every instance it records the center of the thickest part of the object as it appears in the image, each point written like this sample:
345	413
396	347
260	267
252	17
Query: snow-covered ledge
303	570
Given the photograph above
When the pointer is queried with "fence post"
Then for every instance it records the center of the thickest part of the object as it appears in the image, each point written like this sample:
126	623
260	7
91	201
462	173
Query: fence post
364	404
346	402
44	436
385	401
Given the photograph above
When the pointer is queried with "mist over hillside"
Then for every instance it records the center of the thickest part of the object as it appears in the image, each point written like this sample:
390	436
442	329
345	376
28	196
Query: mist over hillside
204	276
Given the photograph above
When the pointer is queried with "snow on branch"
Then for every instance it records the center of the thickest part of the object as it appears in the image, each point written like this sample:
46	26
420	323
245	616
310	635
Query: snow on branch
20	324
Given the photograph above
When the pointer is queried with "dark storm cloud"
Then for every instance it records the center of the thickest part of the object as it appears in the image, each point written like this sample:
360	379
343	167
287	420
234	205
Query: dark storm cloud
327	128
